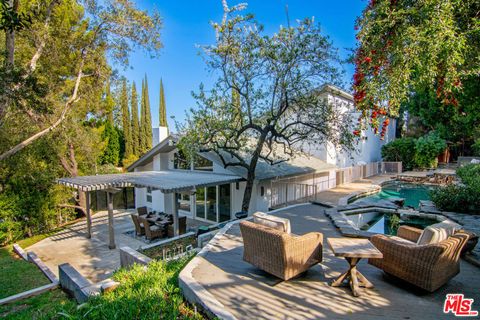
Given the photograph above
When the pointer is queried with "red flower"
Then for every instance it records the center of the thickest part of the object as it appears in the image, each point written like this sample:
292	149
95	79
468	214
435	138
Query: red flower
367	60
356	132
386	122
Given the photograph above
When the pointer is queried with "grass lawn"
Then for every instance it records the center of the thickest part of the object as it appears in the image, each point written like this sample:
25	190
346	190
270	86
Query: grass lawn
143	294
16	274
49	305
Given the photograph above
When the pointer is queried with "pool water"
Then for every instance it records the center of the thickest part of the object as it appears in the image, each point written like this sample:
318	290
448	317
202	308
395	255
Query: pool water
412	193
386	223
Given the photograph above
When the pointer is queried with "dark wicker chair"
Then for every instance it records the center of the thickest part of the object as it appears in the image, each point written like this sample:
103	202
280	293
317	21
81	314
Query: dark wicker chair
425	266
152	231
182	227
142	211
139	226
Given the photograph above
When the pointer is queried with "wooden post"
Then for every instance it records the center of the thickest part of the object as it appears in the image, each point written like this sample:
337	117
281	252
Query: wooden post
88	214
176	227
111	231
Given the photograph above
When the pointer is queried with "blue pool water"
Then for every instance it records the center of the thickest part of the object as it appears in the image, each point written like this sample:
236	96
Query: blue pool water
412	193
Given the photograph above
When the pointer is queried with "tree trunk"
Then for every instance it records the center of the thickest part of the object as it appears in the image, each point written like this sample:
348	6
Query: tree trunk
247	195
10	38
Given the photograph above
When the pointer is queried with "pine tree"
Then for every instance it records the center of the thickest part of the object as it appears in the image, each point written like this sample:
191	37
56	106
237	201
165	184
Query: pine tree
126	119
162	107
148	119
135	125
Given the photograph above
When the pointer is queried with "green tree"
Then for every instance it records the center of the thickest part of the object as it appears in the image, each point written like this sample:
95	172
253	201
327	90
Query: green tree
414	46
162	107
127	130
109	103
145	119
111	153
135	122
71	39
276	78
147	129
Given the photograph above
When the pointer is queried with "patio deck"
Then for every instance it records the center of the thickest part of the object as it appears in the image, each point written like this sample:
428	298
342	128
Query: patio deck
242	291
92	257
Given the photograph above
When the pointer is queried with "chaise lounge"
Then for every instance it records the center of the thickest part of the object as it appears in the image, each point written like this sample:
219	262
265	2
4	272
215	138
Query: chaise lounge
269	246
425	258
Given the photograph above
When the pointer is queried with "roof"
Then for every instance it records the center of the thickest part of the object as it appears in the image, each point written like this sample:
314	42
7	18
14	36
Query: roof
166	145
167	181
300	164
336	91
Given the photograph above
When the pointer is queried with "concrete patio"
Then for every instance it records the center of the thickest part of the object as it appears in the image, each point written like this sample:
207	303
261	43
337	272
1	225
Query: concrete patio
234	289
92	257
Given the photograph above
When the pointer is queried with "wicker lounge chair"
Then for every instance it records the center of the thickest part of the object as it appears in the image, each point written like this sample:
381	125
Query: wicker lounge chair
279	253
139	227
427	266
152	231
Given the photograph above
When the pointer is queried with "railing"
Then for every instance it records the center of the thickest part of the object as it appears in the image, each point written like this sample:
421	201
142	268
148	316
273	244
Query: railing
305	188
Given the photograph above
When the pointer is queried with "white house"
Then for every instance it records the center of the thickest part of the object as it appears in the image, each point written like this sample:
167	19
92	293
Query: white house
298	178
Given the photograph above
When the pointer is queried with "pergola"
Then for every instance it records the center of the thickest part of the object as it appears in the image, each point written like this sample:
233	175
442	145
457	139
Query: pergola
169	182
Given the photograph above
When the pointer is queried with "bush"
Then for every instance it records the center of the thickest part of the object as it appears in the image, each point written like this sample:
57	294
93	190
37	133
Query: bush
402	149
427	149
461	198
476	148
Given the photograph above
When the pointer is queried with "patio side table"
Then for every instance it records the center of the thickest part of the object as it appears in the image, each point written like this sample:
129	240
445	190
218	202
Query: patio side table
353	250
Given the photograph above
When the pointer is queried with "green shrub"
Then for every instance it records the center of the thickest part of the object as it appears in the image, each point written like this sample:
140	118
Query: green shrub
476	148
461	198
427	149
402	149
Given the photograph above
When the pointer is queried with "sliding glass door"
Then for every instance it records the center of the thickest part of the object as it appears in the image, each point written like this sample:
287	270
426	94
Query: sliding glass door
213	203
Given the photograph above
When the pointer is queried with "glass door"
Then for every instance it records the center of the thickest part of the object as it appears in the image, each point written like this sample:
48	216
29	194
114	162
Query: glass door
224	203
211	204
200	203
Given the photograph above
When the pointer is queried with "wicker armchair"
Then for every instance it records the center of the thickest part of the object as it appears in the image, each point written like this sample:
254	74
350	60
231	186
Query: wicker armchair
142	211
152	232
279	253
426	266
139	227
182	227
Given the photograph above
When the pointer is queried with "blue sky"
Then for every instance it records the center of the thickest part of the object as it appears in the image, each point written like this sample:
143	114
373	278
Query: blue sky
186	24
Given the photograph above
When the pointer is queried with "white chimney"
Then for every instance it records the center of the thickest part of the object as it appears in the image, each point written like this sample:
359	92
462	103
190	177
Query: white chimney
158	135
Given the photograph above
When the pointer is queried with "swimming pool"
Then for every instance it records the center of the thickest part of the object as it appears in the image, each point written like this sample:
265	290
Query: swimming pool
412	193
387	223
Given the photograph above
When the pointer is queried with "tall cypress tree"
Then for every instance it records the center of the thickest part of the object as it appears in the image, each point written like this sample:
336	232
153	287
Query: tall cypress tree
109	103
141	135
126	119
135	125
162	107
148	119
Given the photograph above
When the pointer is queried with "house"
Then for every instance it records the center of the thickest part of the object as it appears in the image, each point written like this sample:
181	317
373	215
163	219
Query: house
296	179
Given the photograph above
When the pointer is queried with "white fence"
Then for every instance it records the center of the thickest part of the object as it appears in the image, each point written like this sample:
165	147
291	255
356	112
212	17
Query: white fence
305	188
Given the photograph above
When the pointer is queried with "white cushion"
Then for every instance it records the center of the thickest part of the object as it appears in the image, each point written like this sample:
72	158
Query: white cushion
270	221
437	232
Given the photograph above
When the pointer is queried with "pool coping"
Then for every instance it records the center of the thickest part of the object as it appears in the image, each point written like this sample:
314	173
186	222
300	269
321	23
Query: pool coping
338	216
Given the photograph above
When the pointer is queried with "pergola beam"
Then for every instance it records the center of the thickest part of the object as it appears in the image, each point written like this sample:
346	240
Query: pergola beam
88	214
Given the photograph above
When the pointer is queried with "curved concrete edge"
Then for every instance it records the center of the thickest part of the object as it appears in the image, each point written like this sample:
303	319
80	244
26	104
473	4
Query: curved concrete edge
194	292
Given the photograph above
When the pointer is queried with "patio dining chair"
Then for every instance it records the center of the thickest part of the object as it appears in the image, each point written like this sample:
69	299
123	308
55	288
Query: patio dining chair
139	226
142	211
152	231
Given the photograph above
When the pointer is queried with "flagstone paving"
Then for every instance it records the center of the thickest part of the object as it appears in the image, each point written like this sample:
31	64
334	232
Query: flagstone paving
248	293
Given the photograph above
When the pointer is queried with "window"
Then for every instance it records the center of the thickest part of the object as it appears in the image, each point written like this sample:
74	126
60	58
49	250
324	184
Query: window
184	202
149	194
202	164
262	191
237	185
180	161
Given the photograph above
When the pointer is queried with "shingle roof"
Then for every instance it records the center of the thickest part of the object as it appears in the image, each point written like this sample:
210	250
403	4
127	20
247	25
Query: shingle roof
166	181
